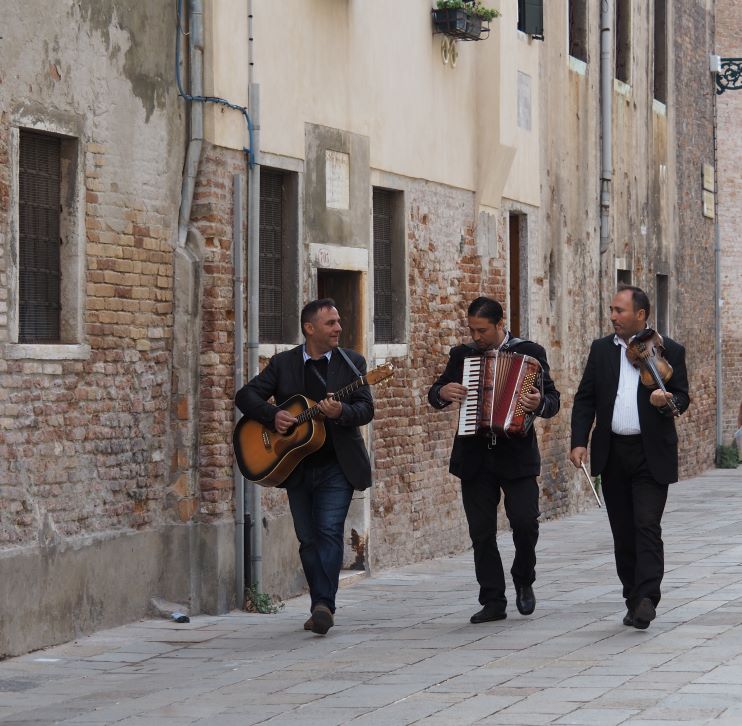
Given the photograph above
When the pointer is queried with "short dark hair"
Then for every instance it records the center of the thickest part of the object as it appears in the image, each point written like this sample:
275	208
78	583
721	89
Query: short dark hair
310	310
486	307
638	297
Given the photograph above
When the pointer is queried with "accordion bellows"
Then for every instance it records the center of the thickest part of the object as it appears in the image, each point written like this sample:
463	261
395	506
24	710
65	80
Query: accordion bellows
495	382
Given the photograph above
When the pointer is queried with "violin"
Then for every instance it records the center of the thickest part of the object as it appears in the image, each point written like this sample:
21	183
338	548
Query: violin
645	351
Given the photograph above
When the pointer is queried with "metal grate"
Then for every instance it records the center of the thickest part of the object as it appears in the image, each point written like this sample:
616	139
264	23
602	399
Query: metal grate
271	255
383	208
39	177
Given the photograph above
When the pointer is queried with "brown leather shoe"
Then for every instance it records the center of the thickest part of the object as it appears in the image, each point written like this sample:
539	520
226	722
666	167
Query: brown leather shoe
322	619
309	624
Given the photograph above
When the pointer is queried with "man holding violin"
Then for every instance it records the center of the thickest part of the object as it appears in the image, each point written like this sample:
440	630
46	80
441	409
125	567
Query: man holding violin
634	445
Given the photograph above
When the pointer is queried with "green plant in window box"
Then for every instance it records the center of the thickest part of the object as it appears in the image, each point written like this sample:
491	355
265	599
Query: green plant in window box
475	8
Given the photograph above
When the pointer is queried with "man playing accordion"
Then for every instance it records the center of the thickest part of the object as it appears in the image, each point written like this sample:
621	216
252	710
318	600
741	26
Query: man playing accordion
494	461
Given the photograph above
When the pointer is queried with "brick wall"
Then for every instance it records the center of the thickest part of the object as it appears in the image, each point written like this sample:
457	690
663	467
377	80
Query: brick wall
693	300
415	503
85	443
212	216
729	170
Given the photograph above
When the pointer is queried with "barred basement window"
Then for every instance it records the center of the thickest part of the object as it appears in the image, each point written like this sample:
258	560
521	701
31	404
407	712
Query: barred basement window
271	258
279	283
383	266
389	266
39	181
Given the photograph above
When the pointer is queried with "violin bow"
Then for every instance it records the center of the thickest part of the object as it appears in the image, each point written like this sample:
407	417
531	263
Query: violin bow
590	483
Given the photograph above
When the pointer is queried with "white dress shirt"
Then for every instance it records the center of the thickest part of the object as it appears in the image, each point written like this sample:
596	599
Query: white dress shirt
625	410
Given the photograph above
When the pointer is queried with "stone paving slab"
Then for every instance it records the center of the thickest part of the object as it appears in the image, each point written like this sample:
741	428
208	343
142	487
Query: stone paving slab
404	652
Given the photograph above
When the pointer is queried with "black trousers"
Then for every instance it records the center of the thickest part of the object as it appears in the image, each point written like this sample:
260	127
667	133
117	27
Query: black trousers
480	496
635	503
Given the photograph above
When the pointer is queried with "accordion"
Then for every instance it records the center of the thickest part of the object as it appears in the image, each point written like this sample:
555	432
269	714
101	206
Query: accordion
495	382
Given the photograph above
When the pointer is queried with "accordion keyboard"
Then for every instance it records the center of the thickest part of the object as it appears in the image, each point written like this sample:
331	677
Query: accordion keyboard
468	410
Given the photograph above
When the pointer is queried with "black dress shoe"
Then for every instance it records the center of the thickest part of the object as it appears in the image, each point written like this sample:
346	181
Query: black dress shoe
644	613
628	619
491	611
525	600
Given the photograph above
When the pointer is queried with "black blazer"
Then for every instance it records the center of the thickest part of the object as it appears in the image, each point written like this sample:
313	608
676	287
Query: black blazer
283	377
596	396
510	458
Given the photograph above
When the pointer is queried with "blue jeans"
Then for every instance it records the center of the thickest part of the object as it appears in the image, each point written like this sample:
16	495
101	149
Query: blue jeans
319	503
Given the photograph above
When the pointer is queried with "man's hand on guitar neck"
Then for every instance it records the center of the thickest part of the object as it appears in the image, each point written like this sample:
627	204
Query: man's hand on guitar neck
330	407
283	421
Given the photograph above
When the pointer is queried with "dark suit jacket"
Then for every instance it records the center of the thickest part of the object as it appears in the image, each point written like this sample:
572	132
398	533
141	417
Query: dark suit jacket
596	396
510	458
283	377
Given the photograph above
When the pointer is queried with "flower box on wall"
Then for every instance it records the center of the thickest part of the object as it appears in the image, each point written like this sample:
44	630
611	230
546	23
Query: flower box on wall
460	24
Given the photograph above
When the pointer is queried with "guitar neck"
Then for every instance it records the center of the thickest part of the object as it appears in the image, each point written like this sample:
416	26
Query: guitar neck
314	411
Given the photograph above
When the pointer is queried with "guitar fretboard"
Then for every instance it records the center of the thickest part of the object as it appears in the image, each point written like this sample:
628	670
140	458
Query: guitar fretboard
313	411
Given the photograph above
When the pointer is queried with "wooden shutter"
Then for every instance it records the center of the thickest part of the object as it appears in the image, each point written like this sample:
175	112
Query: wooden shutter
531	17
39	177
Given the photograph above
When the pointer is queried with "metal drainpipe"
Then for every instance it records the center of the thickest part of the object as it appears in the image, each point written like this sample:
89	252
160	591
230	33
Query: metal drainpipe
254	503
193	155
238	241
606	113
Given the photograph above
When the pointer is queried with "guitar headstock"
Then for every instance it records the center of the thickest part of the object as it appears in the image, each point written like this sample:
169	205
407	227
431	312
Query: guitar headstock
380	373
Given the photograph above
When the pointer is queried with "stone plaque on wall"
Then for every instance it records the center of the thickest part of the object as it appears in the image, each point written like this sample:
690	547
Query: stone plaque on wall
524	101
337	179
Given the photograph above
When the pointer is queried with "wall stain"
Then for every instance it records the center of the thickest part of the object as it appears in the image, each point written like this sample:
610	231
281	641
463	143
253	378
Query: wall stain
148	69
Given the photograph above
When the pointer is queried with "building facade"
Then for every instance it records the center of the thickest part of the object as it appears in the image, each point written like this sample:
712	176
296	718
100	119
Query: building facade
402	174
729	181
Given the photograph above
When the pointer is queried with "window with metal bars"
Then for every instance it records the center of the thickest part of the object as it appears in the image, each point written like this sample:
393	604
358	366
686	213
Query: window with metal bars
39	181
622	41
383	210
271	255
578	25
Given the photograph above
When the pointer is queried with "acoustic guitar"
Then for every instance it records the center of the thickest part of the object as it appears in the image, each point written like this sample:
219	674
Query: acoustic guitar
267	457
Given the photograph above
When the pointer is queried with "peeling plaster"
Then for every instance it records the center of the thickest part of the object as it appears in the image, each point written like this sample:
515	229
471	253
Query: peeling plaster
150	79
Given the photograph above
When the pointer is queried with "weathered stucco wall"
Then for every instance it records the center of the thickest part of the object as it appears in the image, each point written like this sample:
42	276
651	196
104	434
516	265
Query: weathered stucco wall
84	432
423	118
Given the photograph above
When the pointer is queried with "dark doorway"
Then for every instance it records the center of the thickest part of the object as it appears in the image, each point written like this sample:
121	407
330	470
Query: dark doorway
344	287
513	315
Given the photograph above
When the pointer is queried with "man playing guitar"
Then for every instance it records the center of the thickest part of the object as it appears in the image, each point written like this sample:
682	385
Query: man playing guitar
321	487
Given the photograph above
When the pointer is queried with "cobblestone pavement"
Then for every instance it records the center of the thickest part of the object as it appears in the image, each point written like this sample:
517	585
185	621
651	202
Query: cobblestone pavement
403	650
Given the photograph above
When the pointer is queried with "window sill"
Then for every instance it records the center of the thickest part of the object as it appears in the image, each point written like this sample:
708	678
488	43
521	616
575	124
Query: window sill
577	66
268	350
659	108
622	88
390	350
38	351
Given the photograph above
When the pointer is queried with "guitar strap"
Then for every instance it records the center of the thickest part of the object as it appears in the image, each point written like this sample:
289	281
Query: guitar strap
350	362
